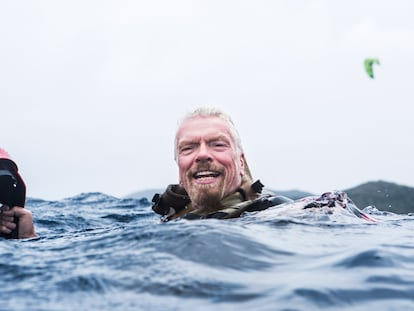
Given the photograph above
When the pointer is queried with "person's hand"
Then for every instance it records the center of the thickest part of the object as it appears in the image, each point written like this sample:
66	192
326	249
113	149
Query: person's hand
24	216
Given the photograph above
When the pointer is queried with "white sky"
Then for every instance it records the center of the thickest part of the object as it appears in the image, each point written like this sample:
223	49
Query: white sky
91	91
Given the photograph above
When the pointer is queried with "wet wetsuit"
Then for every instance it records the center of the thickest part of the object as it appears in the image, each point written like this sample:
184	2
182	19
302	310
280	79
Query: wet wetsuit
175	203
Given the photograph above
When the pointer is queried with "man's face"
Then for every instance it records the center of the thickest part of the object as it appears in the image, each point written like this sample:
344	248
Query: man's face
210	167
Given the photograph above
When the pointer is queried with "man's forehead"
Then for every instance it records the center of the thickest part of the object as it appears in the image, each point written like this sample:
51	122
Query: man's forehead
204	127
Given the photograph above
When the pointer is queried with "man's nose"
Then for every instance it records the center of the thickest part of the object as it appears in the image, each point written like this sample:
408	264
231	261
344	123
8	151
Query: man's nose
203	153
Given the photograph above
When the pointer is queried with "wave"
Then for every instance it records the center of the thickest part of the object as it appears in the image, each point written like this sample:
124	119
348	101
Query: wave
98	251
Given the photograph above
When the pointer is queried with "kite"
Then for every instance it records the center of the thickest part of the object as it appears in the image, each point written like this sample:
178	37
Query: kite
368	63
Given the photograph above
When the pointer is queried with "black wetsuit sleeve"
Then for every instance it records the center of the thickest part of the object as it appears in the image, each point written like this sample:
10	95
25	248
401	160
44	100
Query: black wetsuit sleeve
174	197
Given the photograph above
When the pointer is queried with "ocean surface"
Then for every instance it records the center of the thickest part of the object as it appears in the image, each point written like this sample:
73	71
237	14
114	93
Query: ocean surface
97	252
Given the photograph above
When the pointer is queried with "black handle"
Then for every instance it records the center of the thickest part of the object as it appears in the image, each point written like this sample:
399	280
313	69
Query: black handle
15	233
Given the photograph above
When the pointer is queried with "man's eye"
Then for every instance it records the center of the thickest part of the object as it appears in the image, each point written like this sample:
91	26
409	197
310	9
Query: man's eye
186	149
219	144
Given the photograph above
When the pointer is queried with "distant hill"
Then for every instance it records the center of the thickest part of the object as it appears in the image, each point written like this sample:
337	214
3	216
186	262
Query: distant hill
293	194
385	196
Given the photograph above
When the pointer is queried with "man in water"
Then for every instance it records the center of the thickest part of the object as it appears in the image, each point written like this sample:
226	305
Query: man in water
15	221
214	178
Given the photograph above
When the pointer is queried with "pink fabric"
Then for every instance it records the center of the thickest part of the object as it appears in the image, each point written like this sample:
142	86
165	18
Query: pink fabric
4	154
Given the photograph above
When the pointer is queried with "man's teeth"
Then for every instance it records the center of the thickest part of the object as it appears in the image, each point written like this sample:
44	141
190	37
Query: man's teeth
206	174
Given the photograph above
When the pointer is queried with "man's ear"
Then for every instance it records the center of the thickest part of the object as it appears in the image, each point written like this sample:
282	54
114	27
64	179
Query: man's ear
242	165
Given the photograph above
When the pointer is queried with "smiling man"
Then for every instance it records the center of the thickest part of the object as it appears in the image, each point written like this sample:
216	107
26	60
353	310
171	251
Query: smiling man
215	180
210	160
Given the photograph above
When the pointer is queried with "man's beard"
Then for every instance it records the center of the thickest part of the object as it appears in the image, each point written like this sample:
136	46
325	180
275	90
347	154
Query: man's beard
206	197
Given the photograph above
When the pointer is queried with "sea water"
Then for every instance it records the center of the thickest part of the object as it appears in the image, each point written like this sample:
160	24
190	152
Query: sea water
97	252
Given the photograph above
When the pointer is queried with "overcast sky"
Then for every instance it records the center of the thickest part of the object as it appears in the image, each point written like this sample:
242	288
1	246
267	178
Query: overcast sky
91	91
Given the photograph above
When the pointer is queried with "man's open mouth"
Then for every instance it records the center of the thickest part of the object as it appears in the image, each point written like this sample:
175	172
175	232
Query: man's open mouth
205	174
